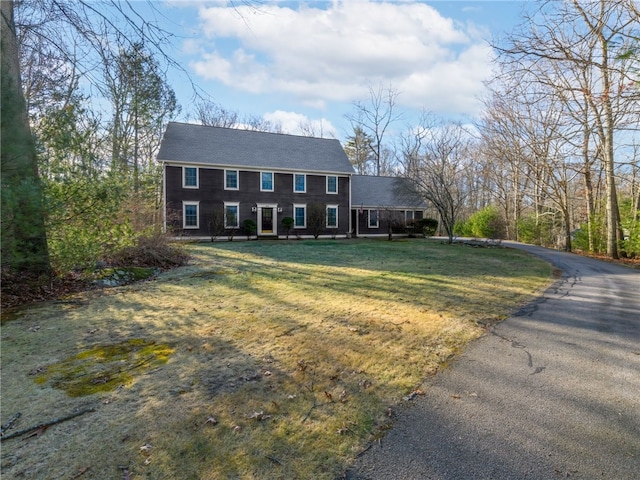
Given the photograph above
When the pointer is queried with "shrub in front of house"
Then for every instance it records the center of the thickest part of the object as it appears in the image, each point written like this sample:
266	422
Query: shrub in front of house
426	226
287	223
250	227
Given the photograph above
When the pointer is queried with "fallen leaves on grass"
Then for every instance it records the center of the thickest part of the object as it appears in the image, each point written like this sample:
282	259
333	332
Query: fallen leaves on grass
81	472
38	432
211	421
259	416
413	395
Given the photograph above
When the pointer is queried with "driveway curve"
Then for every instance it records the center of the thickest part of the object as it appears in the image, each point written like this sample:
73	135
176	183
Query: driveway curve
552	392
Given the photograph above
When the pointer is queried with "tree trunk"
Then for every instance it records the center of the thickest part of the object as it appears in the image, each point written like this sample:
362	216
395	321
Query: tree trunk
613	213
588	184
567	229
635	193
590	210
24	240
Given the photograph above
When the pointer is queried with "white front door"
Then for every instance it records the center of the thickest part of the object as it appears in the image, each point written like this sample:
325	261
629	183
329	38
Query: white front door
268	220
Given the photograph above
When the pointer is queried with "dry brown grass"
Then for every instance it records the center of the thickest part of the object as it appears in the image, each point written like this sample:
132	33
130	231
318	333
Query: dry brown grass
287	357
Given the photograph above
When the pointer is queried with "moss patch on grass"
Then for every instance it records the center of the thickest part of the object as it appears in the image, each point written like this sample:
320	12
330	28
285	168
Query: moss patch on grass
103	368
112	277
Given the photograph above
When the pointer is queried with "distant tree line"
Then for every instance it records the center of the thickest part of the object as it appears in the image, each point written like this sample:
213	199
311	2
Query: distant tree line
556	151
85	99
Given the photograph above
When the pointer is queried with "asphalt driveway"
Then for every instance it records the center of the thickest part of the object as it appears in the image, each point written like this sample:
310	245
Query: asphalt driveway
552	392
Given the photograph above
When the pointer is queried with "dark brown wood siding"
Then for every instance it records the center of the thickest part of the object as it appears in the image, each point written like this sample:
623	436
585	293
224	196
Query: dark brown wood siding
211	195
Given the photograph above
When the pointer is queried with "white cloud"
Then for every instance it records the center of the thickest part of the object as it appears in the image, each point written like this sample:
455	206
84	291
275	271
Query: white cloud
299	124
320	55
451	86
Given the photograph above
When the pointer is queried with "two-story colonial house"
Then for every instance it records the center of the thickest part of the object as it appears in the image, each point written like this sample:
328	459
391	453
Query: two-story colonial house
216	178
232	174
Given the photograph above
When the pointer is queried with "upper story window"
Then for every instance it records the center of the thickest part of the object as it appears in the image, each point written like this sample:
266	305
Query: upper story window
373	219
266	181
299	183
190	177
332	216
231	179
332	184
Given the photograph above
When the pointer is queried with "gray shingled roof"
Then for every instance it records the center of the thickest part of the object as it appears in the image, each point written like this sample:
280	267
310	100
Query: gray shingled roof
396	192
188	143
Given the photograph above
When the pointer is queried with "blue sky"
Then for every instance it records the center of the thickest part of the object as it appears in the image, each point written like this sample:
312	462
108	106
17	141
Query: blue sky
307	62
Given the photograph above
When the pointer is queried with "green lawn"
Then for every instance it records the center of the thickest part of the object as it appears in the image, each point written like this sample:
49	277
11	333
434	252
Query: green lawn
284	357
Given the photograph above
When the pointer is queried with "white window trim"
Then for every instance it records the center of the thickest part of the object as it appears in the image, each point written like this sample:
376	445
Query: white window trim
327	216
377	225
237	178
184	215
273	181
232	204
300	205
305	183
327	185
184	178
407	219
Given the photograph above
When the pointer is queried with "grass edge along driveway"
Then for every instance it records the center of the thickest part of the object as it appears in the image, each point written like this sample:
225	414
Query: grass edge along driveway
284	359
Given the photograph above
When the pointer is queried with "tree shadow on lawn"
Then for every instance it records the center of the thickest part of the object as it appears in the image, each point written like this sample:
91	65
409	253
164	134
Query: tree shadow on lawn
407	256
250	388
352	272
216	406
560	401
534	414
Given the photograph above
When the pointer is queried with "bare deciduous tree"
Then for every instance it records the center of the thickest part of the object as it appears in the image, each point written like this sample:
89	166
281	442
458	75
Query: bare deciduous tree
316	218
439	171
212	114
375	118
573	48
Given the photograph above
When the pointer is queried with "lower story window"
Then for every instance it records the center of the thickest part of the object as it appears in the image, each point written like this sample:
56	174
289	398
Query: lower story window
231	213
300	216
408	217
373	219
332	216
190	217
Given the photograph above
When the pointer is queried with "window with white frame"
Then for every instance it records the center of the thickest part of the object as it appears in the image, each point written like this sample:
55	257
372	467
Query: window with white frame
299	216
266	181
408	217
190	177
299	183
190	217
231	179
373	219
231	215
332	184
332	216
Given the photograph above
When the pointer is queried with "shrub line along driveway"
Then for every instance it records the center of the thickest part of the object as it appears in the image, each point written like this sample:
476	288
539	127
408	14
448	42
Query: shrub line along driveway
552	392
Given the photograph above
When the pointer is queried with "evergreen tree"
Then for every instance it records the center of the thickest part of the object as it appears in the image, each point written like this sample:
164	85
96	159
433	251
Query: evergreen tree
24	240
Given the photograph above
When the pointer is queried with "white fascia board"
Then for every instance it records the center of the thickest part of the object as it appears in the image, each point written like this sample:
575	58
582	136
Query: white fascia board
174	163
